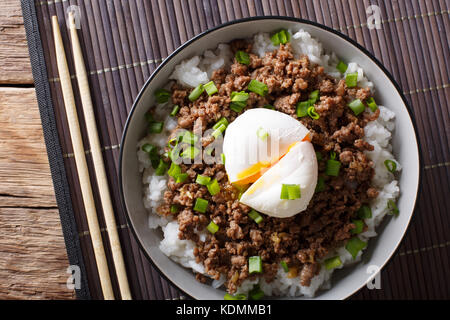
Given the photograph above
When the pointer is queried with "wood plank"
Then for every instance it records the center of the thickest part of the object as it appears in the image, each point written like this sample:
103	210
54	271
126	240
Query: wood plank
33	258
14	59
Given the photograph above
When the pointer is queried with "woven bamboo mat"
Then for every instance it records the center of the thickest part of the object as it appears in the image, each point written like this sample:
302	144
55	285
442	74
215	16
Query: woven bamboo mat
123	43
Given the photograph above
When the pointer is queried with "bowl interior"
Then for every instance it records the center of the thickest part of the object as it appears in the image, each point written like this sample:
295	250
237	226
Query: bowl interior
345	281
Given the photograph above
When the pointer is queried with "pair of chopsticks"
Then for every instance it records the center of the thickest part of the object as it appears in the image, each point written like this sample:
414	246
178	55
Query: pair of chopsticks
80	160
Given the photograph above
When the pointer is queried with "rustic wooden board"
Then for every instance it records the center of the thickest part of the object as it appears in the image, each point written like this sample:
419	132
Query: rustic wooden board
14	60
33	259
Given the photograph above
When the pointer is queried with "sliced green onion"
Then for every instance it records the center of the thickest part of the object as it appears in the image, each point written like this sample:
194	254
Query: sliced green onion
255	216
152	153
175	110
359	226
364	212
313	96
201	205
392	207
242	57
189	137
351	79
212	227
238	100
262	133
390	165
258	87
196	93
372	104
240	296
342	67
269	106
155	127
190	153
285	266
174	208
332	155
161	168
319	156
333	167
209	151
181	177
219	131
312	113
355	245
210	88
320	186
149	117
174	170
203	180
254	264
290	191
302	108
357	106
221	121
162	95
332	263
172	143
222	157
281	36
256	293
213	187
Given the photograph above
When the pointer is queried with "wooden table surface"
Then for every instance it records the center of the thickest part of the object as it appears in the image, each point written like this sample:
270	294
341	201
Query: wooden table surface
33	260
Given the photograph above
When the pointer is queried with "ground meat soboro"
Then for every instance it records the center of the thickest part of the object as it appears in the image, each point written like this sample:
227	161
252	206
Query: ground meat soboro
301	241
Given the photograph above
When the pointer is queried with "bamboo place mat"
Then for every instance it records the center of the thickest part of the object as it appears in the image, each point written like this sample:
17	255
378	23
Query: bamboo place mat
123	43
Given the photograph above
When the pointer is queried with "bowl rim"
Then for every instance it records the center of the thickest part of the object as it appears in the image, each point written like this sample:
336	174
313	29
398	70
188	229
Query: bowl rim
249	19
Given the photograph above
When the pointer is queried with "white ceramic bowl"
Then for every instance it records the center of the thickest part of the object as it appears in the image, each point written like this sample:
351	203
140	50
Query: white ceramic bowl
344	282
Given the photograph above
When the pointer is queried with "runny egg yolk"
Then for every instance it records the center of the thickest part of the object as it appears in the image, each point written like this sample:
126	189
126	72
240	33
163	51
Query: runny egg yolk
254	172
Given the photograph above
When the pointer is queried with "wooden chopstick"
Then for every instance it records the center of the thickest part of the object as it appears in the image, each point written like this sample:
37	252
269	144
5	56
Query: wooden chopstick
97	158
80	161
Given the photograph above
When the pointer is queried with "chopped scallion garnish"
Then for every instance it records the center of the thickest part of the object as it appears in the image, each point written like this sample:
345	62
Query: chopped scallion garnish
357	106
242	57
285	266
190	153
355	245
254	264
181	177
262	133
161	168
258	87
175	110
319	156
210	88
302	108
174	170
390	165
222	157
313	96
189	138
155	127
281	36
332	263
320	186
196	93
372	104
333	166
312	113
162	95
342	67
152	153
174	208
240	296
219	131
364	212
201	205
351	79
213	187
203	180
238	100
359	226
269	106
212	227
392	207
255	216
256	293
221	121
290	191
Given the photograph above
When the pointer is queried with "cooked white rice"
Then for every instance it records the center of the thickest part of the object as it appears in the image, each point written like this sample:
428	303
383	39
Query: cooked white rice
197	70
